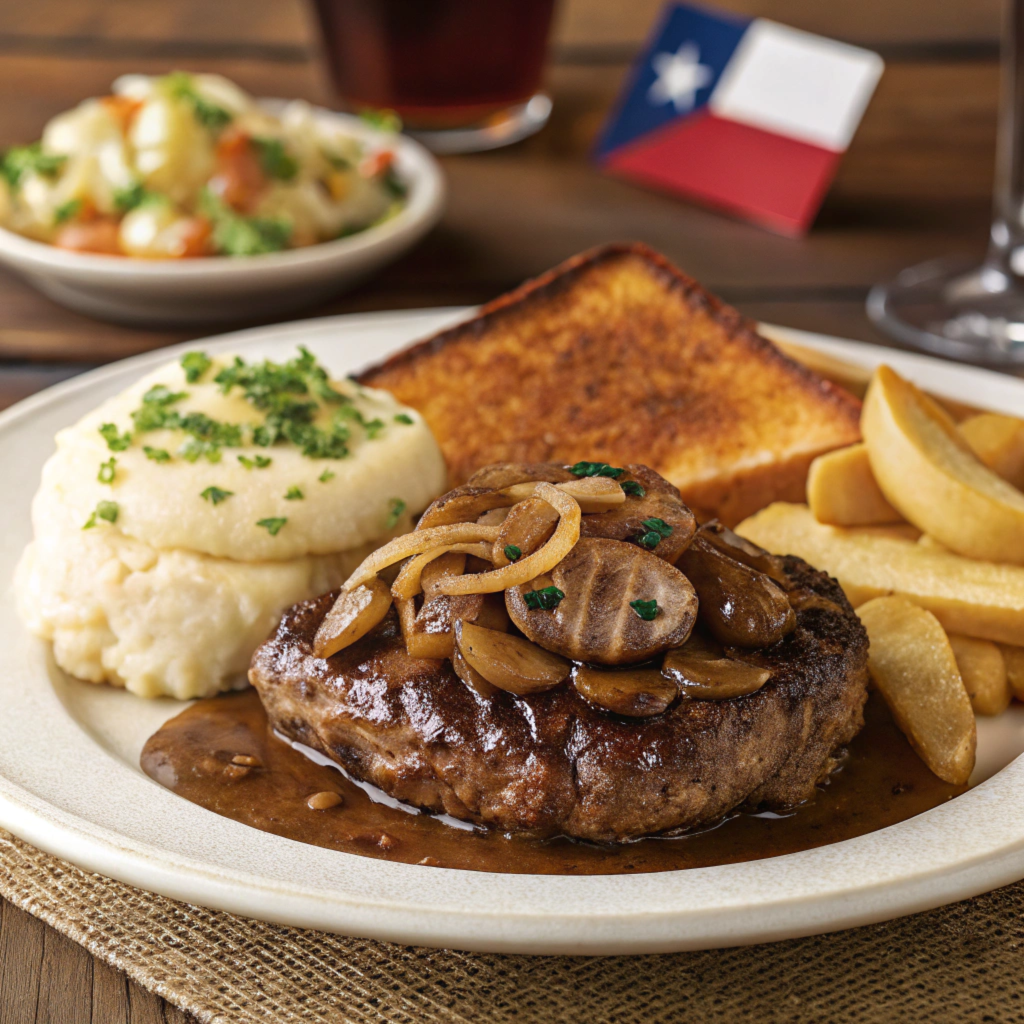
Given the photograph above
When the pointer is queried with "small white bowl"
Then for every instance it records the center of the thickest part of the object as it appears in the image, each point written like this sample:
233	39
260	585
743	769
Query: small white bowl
216	289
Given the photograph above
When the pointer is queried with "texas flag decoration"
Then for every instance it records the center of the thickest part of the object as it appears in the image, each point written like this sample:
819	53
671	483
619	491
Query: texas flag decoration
746	115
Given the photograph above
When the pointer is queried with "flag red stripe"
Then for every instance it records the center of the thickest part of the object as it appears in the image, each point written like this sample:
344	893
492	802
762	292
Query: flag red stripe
777	181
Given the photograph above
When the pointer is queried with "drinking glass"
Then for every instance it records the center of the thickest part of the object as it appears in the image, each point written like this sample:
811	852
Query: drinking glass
463	75
952	305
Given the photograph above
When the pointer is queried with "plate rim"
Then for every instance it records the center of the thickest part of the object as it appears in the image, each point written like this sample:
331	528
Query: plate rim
651	926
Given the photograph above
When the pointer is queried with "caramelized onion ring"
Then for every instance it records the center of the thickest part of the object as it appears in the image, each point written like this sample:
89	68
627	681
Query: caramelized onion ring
562	541
592	494
408	584
416	543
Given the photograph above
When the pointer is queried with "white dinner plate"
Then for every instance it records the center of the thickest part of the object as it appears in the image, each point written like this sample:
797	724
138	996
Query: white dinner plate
70	781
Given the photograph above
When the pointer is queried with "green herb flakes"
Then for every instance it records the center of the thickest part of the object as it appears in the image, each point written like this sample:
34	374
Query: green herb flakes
654	532
107	469
632	488
512	553
156	454
116	441
126	199
105	510
235	235
215	495
404	417
195	449
275	160
195	364
67	211
373	427
272	525
596	469
18	161
294	494
209	115
256	462
546	599
326	475
647	610
395	509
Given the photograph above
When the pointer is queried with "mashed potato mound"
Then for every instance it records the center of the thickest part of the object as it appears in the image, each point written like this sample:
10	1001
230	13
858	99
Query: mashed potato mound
172	623
344	502
142	580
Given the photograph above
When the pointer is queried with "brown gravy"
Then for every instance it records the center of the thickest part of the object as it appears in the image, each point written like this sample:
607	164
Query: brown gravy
881	782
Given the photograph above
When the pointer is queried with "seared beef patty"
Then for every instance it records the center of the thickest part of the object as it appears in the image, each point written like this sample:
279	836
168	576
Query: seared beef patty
552	763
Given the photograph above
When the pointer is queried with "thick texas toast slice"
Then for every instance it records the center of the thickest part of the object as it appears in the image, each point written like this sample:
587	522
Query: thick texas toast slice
617	356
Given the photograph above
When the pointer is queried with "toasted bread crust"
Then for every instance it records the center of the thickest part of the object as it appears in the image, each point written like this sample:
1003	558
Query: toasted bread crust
618	355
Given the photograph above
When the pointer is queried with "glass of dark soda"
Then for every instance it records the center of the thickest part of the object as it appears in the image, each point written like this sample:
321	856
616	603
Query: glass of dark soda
463	75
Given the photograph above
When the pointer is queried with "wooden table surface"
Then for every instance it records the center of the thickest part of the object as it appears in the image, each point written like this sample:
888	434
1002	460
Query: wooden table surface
915	184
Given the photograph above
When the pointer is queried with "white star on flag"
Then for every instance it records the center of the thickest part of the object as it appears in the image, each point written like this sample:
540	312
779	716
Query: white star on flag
680	75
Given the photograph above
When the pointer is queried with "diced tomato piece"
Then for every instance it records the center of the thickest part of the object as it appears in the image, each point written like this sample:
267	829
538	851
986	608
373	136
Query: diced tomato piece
195	236
99	235
238	179
376	163
123	108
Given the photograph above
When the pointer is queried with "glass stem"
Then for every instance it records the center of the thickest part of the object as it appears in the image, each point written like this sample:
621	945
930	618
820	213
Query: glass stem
1007	248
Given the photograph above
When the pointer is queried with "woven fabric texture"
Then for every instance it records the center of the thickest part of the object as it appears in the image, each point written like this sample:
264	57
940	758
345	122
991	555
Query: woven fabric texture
963	963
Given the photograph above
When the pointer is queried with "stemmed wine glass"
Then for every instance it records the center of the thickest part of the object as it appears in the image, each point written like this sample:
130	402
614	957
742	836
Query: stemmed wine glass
951	305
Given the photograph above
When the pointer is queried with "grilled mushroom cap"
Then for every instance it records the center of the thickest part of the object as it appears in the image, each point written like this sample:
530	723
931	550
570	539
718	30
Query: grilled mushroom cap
595	621
738	605
660	501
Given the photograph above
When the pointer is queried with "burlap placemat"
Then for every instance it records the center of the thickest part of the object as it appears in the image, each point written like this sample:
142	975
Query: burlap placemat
962	963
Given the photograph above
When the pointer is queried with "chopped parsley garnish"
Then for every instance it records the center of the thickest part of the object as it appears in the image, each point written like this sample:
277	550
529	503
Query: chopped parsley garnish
235	235
326	475
214	495
394	184
546	599
372	427
512	553
105	510
21	160
107	469
404	417
256	462
116	441
195	364
596	469
156	454
208	114
395	509
272	525
647	610
275	160
195	448
67	211
632	488
155	412
382	120
654	532
288	393
126	199
294	494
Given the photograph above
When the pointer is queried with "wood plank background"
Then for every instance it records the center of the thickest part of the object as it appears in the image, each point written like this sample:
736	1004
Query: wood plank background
915	184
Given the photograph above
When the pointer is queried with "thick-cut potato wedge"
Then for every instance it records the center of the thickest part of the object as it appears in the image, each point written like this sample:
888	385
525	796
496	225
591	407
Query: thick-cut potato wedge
930	474
999	442
842	490
983	671
913	666
1013	658
974	598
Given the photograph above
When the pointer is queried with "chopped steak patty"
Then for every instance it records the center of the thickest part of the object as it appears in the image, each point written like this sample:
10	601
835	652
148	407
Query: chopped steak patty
552	763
